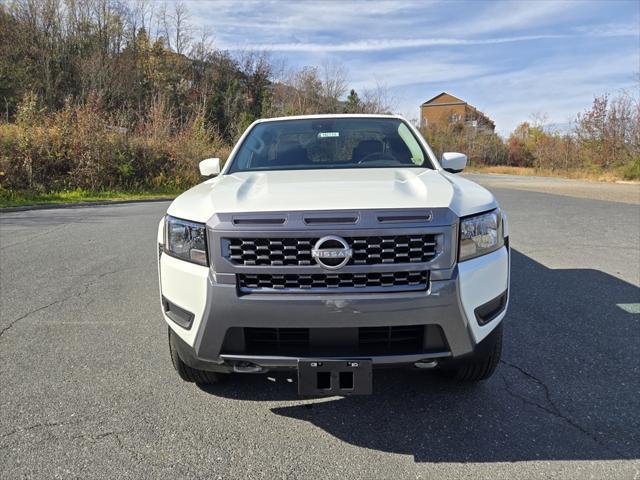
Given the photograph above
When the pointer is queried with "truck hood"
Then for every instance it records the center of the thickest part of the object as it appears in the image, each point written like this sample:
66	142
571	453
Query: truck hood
336	189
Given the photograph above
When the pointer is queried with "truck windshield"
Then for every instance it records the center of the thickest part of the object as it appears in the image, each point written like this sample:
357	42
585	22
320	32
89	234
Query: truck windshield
316	143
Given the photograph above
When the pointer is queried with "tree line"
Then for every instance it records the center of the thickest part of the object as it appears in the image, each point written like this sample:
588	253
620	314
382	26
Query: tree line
108	93
602	140
123	94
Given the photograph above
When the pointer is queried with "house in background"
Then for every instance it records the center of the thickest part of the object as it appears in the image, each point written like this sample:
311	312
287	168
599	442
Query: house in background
447	108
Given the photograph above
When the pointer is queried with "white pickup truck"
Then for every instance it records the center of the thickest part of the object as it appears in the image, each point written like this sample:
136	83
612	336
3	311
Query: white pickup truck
330	245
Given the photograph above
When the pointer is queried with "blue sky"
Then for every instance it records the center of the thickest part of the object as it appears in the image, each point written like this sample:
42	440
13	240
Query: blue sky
511	59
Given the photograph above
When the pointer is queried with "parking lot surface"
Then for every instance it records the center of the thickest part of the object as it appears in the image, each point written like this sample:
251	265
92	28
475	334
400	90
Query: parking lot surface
87	388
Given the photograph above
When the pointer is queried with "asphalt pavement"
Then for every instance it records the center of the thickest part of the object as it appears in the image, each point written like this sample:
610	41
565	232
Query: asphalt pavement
87	389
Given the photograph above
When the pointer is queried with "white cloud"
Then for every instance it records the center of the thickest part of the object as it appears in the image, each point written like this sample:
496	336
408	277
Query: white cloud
611	29
373	45
419	69
388	44
512	15
295	17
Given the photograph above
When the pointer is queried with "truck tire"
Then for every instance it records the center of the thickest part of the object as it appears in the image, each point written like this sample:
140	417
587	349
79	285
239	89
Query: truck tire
187	373
481	365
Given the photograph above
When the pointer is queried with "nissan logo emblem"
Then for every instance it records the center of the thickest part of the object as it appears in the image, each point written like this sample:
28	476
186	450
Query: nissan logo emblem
332	252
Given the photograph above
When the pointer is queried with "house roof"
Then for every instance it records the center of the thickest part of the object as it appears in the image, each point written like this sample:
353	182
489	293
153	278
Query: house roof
441	94
453	100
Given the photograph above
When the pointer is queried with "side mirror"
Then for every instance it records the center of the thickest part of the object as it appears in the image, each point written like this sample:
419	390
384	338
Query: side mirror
210	167
453	162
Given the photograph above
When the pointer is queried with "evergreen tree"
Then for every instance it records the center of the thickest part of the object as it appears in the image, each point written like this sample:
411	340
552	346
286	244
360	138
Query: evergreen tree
353	104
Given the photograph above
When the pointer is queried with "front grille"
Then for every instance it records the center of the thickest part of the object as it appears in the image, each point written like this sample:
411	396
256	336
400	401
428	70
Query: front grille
407	338
370	281
276	341
395	340
372	250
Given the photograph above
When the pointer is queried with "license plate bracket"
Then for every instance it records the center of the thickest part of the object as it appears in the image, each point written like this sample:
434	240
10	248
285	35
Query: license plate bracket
334	377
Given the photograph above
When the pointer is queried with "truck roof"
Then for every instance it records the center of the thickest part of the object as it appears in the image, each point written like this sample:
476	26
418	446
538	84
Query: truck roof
331	115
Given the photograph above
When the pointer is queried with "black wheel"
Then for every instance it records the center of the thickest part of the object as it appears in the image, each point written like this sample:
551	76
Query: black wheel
481	365
187	373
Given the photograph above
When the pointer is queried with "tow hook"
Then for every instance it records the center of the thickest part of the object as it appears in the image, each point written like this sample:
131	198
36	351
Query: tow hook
426	364
246	367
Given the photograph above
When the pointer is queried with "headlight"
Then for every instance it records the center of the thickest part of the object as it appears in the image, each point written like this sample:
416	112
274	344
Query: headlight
186	240
480	234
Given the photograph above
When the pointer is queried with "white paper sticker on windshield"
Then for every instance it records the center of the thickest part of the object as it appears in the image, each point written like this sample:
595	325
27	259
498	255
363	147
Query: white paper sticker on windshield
328	134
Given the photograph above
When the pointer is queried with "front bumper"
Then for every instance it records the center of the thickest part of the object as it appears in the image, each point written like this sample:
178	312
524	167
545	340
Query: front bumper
217	306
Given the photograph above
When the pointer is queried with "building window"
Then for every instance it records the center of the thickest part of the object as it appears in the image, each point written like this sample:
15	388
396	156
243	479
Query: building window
454	118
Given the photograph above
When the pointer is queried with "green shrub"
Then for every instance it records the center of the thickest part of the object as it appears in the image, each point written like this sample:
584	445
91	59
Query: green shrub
631	170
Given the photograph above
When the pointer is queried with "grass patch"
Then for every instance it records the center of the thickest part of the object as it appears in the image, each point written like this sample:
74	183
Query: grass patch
543	172
19	198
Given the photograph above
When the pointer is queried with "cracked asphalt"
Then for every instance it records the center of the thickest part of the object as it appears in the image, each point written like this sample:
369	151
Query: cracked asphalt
87	389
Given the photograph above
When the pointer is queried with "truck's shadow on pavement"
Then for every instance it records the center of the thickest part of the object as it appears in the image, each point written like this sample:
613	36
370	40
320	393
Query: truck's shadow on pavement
568	387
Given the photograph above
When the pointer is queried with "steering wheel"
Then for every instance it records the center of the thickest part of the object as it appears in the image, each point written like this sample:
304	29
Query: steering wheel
372	157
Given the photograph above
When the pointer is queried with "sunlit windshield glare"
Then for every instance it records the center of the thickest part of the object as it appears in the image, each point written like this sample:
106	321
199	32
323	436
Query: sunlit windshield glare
329	143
